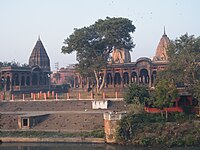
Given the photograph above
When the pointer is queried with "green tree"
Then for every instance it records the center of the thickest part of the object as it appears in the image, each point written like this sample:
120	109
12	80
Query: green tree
184	63
165	91
136	94
93	45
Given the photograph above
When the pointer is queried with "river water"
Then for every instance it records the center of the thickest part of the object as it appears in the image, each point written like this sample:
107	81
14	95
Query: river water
77	146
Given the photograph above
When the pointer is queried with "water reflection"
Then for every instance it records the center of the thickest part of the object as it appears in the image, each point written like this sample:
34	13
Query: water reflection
74	146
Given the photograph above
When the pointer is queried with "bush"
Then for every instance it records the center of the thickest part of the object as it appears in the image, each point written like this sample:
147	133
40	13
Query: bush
136	94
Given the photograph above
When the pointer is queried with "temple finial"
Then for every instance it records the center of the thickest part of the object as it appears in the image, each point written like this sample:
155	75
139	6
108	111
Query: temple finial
164	31
38	37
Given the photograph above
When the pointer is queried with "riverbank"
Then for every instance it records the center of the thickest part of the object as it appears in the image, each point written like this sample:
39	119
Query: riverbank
41	136
51	140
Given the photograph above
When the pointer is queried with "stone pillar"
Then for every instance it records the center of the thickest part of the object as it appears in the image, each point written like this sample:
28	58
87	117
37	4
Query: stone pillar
129	77
56	96
110	125
5	83
74	81
34	96
12	97
104	95
20	79
68	96
40	95
91	95
116	94
79	95
45	96
81	82
11	78
48	94
53	93
149	74
113	79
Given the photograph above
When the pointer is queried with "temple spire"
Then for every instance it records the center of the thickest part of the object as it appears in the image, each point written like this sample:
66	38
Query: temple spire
39	56
164	31
161	50
38	37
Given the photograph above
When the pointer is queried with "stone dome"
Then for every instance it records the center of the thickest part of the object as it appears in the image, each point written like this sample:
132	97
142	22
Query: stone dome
121	56
39	56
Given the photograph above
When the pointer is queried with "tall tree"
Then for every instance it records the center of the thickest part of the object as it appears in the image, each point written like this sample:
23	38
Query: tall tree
184	63
93	45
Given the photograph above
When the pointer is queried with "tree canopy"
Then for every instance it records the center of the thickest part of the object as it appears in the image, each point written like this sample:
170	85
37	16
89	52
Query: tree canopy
136	94
184	63
165	91
93	44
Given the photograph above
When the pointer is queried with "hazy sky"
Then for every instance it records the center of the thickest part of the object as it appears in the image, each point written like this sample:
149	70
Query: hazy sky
22	21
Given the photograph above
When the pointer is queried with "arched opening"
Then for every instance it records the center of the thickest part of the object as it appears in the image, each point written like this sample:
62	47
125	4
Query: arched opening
23	81
2	83
45	80
7	83
153	77
28	81
117	78
109	79
36	72
144	77
40	81
13	82
126	78
76	82
16	79
133	77
34	79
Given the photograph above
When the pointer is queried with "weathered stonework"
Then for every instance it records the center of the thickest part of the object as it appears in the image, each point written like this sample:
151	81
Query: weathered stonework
110	125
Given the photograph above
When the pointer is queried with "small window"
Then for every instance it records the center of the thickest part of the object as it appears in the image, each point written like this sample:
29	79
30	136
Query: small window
25	122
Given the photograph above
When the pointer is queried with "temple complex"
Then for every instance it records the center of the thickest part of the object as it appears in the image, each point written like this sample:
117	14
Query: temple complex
143	71
33	77
121	72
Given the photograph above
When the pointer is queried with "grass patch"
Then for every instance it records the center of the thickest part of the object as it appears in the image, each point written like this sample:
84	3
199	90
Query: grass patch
43	134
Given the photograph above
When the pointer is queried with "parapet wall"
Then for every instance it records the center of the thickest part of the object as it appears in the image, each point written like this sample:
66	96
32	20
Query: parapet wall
100	104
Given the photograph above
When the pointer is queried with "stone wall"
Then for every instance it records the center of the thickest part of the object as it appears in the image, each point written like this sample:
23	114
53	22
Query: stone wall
110	125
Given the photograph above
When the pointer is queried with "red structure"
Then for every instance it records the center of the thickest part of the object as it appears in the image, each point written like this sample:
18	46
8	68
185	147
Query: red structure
178	105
